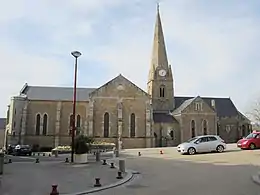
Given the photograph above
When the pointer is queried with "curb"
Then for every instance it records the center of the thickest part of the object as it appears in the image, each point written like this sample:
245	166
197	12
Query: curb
129	175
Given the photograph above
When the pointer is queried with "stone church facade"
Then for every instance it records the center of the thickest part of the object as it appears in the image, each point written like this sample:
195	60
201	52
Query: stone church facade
121	112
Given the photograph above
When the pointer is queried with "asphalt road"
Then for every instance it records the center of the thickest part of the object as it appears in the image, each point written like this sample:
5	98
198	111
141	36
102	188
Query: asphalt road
203	174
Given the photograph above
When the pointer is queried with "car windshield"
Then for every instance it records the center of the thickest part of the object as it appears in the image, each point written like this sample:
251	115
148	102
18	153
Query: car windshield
192	139
251	135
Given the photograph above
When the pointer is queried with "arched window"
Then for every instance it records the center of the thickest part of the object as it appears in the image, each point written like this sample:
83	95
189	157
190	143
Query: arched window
45	124
193	128
106	125
162	91
78	121
71	121
70	124
205	127
78	125
132	125
218	126
37	124
244	130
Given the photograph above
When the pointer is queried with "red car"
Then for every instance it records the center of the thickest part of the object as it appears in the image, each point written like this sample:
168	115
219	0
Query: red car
252	141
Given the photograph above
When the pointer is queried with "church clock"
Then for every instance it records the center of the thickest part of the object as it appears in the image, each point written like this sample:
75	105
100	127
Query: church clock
162	72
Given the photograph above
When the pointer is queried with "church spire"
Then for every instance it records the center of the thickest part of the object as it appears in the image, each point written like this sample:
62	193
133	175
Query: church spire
159	56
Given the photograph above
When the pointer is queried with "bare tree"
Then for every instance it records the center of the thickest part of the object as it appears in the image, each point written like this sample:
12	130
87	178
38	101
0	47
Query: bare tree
254	112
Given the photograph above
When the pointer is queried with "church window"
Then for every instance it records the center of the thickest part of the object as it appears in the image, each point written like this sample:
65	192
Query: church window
198	106
106	125
162	91
70	124
78	120
71	121
132	125
193	128
37	124
78	124
243	130
45	124
205	127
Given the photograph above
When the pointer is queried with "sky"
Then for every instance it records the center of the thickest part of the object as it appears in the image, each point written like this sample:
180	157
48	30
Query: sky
213	46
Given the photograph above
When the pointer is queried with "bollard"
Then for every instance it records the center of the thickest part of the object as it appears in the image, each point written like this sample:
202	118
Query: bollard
9	160
43	154
38	154
56	153
33	154
161	152
49	155
104	162
37	160
54	190
66	160
139	153
112	166
94	153
122	165
97	184
97	156
119	175
117	153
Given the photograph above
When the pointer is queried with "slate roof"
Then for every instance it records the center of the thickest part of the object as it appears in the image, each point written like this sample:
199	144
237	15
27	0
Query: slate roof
224	106
2	123
56	93
163	118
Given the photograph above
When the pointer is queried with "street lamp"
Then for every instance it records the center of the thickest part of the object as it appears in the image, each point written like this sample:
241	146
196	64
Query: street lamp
75	54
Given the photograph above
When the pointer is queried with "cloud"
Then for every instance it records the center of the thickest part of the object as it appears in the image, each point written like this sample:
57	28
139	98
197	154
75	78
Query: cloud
212	46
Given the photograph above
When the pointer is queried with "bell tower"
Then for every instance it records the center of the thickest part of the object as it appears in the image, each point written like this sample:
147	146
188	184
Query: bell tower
160	79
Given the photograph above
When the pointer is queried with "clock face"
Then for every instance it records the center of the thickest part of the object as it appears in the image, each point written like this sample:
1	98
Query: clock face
162	72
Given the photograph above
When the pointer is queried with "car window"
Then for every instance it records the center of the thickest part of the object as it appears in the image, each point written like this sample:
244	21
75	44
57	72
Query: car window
25	146
202	140
257	136
210	139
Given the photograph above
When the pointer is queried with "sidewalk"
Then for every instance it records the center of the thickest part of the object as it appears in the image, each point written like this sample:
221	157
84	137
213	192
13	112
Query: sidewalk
36	179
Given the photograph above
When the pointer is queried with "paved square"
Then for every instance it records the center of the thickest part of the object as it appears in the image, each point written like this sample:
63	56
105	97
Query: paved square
171	173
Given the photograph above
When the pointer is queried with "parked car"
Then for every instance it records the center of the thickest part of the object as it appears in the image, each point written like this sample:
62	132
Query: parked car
201	144
20	150
252	141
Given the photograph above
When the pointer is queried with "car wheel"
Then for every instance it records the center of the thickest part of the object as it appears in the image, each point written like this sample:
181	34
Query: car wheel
252	146
191	151
220	149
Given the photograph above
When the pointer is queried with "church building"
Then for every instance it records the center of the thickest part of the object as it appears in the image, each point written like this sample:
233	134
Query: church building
121	112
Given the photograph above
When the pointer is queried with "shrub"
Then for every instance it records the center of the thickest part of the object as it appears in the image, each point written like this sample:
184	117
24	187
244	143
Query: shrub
82	144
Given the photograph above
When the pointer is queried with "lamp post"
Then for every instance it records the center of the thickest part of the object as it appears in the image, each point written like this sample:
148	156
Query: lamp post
75	54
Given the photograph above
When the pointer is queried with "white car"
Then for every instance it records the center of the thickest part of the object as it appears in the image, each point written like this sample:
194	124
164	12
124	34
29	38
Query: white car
201	144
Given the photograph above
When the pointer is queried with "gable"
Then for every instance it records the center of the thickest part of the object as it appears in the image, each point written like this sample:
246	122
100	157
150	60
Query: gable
119	86
223	106
197	105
